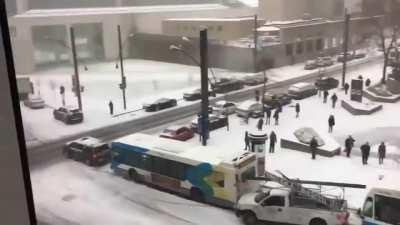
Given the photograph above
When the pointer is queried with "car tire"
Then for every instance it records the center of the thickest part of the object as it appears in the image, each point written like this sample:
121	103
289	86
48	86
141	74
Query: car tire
249	218
318	221
134	176
196	195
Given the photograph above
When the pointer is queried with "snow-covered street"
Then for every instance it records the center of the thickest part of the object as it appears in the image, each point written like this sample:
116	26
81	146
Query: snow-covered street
80	195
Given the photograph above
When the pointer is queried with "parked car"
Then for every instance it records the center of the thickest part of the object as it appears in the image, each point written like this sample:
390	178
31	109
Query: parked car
273	100
324	61
180	133
254	80
196	95
326	83
215	122
34	103
91	151
224	108
68	115
249	108
302	90
340	57
358	55
228	85
310	65
160	104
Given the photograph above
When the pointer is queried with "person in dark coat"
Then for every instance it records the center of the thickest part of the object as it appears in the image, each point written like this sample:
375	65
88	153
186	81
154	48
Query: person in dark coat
297	110
268	115
334	99
367	82
111	107
346	88
365	149
331	123
313	147
382	152
272	142
279	107
246	141
276	116
326	94
260	124
349	144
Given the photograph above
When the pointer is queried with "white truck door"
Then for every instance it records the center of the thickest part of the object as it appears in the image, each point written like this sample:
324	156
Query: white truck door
273	209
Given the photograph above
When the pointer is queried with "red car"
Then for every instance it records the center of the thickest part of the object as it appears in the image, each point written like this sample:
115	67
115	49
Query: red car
180	133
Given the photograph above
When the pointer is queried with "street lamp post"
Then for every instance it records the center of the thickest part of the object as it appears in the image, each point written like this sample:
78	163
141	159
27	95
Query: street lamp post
204	85
122	86
74	58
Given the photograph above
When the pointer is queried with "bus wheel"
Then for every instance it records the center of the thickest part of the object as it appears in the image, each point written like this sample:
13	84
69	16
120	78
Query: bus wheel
134	176
317	221
249	218
196	195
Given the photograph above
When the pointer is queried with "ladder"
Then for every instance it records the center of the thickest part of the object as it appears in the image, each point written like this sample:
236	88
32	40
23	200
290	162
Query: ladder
299	191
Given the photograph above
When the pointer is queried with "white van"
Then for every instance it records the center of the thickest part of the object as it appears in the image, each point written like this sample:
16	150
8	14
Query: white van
381	207
302	90
249	109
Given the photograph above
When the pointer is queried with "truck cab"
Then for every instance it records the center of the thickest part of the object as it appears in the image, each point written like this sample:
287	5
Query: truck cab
279	205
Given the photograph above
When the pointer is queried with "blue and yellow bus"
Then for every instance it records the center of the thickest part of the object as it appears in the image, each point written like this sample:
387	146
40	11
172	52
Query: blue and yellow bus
202	173
381	207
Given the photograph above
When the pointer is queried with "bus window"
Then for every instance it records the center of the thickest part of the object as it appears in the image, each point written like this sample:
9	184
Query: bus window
368	208
387	209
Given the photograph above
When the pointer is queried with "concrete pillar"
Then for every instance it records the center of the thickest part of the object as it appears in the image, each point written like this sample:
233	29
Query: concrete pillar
110	39
22	6
23	49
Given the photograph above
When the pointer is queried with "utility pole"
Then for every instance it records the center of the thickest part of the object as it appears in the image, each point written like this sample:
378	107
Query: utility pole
345	45
204	86
255	43
122	86
75	61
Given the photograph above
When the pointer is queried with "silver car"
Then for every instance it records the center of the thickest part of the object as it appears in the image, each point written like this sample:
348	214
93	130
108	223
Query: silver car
249	109
224	108
34	103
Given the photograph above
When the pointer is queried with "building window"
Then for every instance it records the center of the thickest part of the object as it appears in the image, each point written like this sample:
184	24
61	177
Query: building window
219	28
334	42
310	46
289	49
299	48
210	28
319	44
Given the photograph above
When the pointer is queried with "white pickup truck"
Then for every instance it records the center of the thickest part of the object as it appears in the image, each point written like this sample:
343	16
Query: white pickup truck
281	206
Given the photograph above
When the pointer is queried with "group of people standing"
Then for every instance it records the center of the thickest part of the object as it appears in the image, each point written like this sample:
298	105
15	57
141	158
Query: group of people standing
334	98
365	150
272	141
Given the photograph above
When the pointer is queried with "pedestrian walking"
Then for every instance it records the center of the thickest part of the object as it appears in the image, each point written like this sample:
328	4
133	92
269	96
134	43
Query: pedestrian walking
246	141
313	147
367	82
365	150
111	107
326	94
349	144
331	123
272	142
260	124
334	99
381	152
276	116
346	88
297	110
268	115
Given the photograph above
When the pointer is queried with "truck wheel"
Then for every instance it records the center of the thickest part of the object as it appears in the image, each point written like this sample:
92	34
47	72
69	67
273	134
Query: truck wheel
196	195
133	175
249	218
317	221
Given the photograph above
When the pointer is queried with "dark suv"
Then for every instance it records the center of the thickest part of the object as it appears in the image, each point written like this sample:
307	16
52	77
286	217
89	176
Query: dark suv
228	85
327	83
160	104
68	115
91	151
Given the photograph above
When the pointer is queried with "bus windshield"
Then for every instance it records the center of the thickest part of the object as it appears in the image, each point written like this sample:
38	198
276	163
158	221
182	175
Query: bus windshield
387	209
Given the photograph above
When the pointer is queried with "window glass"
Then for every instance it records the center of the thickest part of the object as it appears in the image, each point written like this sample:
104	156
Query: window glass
274	201
248	174
368	208
387	209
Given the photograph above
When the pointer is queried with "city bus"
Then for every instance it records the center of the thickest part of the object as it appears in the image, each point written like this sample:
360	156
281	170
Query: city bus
381	207
206	174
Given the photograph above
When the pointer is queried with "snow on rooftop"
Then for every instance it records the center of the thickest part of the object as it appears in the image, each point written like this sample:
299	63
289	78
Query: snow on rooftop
268	29
247	104
118	10
173	148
